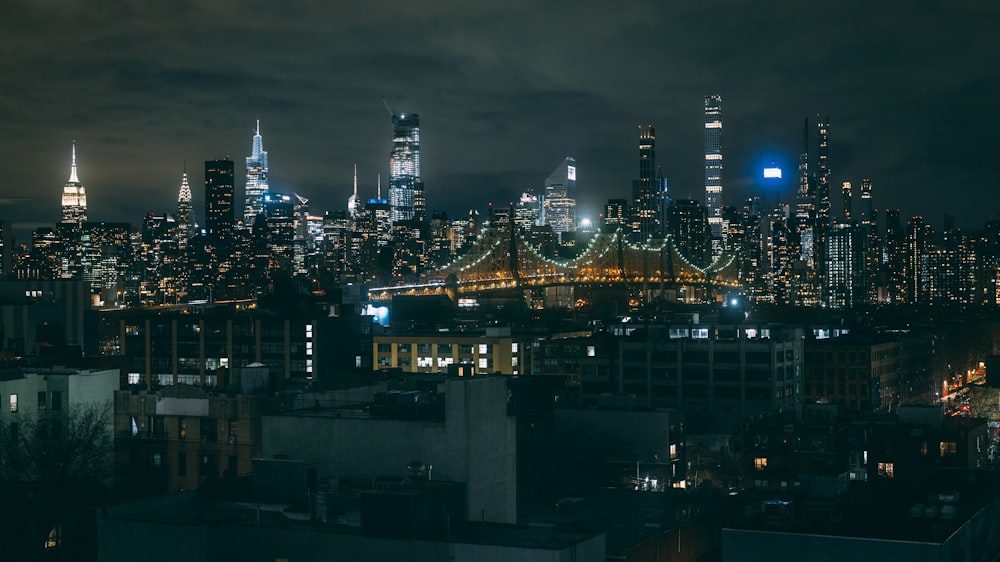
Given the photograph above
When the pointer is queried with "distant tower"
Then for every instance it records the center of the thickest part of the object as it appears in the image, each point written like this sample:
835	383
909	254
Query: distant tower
185	214
823	172
713	163
644	197
256	180
690	231
867	214
404	167
219	212
804	204
74	197
560	197
352	201
845	190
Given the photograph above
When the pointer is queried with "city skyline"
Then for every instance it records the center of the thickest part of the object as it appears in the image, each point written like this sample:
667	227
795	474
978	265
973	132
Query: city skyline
494	115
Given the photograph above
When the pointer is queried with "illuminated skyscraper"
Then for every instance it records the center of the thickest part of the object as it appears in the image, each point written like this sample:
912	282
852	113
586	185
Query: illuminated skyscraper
869	230
823	172
713	163
404	167
560	197
845	286
688	223
846	190
219	213
528	212
353	203
74	197
644	196
185	214
804	204
256	180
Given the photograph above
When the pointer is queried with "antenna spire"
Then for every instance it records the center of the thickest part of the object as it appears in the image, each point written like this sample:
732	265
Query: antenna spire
73	178
379	196
355	179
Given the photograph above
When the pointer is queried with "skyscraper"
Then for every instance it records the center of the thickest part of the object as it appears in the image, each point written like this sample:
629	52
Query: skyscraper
713	163
219	188
844	265
644	197
560	197
353	203
804	203
404	167
690	231
823	172
256	180
74	197
846	191
185	214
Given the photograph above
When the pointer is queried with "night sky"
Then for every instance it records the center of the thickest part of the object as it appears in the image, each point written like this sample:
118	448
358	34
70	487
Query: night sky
504	90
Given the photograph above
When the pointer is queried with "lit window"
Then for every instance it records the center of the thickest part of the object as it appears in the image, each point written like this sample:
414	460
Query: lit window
590	351
483	363
13	403
513	348
54	538
949	448
885	470
760	463
483	348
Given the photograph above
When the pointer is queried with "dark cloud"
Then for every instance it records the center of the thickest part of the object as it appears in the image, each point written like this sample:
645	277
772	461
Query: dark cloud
504	91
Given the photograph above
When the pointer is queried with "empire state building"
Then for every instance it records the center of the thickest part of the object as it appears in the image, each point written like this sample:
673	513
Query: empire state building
74	197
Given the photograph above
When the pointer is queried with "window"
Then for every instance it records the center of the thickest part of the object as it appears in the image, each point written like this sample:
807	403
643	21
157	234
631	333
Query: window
41	400
885	470
182	468
209	429
56	429
949	448
182	428
591	352
57	400
385	348
760	463
155	459
13	403
233	431
54	538
135	427
513	348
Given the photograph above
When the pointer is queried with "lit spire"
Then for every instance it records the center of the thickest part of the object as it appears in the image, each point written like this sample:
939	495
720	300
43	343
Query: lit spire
355	179
72	171
185	194
257	152
379	196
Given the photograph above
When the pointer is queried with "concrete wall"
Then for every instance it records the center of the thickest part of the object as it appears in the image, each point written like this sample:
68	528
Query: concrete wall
475	445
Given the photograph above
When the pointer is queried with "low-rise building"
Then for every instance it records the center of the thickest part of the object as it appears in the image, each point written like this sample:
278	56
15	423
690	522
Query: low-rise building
460	427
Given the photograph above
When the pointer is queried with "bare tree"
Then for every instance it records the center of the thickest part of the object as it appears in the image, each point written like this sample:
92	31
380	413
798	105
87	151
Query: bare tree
54	468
